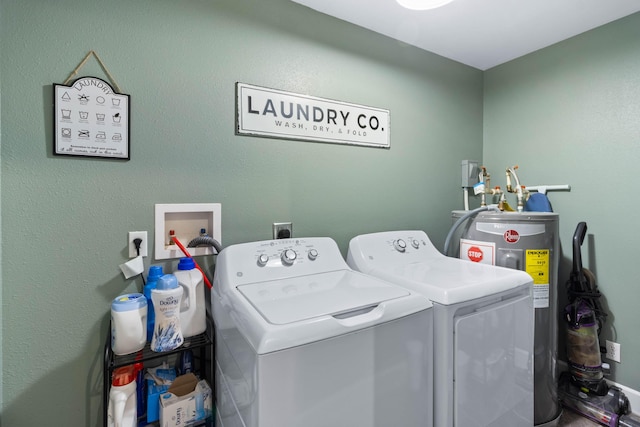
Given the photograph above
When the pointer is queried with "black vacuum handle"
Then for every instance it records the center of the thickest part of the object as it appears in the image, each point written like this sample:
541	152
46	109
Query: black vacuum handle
578	238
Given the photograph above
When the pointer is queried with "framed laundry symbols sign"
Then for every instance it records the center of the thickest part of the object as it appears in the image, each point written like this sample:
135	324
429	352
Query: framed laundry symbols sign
91	119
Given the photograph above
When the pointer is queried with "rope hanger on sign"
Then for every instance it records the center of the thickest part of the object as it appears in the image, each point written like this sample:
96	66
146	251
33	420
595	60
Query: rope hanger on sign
104	67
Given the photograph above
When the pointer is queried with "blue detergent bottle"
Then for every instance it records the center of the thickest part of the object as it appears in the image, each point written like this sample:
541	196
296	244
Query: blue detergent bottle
155	272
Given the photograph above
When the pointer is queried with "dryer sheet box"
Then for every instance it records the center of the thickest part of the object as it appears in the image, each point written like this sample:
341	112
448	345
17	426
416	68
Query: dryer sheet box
186	402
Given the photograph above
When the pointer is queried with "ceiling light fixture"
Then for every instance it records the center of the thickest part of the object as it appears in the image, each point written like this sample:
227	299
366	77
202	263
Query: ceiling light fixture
422	4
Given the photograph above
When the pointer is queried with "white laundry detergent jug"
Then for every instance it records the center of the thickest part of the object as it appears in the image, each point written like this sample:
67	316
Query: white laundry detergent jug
193	320
122	398
128	323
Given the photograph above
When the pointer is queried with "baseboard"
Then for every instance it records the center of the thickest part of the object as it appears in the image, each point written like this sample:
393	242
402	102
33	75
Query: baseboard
631	394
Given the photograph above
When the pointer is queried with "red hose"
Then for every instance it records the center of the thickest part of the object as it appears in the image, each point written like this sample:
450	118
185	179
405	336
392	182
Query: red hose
186	252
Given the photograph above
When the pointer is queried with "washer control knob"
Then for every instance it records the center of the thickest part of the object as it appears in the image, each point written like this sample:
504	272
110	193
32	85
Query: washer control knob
400	245
415	243
263	259
288	256
313	254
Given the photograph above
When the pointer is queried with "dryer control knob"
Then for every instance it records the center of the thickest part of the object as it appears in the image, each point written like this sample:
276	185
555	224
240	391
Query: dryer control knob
288	256
313	254
263	259
415	243
400	245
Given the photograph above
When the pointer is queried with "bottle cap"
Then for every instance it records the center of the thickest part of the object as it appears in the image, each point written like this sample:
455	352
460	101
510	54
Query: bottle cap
186	264
128	302
123	376
155	272
167	281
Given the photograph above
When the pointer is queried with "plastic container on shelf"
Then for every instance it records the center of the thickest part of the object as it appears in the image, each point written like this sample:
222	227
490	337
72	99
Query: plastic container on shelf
128	323
166	297
193	315
122	398
141	388
185	364
155	272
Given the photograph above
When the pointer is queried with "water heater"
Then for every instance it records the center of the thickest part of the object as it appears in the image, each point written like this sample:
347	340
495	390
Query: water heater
525	241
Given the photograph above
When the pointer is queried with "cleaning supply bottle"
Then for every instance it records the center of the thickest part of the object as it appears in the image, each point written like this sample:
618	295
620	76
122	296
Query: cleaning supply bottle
185	365
141	389
167	334
128	323
193	320
122	398
155	272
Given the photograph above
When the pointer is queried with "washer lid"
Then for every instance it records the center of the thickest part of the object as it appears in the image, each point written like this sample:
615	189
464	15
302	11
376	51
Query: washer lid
295	299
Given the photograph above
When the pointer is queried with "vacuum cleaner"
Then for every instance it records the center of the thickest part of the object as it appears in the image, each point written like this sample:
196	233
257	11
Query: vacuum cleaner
583	389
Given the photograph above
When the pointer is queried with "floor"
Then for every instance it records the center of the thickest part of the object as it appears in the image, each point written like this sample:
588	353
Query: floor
571	419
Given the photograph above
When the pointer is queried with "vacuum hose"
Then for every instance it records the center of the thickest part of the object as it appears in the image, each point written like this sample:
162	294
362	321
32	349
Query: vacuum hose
462	219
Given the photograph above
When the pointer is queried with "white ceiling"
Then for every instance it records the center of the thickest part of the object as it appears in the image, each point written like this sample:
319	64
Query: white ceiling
479	33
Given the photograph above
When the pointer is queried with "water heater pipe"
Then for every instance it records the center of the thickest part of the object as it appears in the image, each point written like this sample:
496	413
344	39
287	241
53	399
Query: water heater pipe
462	219
544	188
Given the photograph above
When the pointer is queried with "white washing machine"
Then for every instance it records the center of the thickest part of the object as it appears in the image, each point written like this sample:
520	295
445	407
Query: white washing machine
483	327
304	341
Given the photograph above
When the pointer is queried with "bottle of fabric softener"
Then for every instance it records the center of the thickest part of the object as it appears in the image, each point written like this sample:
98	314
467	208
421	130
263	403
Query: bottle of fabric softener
166	297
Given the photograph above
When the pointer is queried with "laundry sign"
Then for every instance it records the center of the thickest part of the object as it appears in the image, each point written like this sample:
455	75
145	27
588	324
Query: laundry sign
274	113
91	119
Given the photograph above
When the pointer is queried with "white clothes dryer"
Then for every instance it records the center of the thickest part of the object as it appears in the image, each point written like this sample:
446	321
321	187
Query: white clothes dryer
304	341
483	327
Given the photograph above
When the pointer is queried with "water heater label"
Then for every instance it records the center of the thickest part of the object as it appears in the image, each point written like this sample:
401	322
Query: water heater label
511	236
499	228
537	265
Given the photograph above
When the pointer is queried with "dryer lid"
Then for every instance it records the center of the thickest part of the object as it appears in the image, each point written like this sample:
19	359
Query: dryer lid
421	268
296	299
450	280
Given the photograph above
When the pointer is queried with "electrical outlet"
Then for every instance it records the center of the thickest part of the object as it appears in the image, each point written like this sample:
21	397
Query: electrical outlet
133	252
282	230
613	351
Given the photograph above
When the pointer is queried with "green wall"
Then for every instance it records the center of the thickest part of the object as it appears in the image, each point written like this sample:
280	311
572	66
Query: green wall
570	114
65	220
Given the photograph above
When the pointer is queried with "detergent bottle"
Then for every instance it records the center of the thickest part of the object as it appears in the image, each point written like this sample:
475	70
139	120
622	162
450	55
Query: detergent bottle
128	323
193	320
166	297
155	272
122	398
